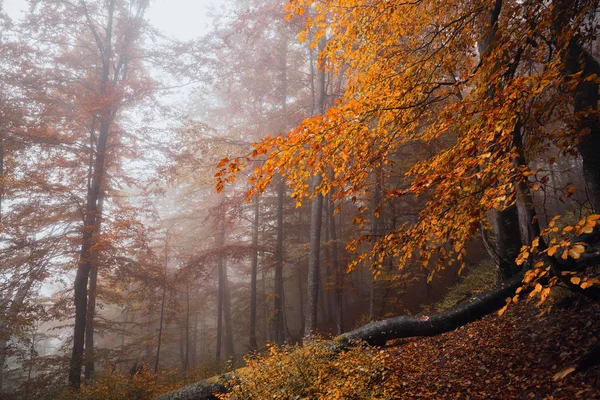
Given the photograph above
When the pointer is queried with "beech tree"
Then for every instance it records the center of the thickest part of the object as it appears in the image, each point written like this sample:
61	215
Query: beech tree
96	75
415	76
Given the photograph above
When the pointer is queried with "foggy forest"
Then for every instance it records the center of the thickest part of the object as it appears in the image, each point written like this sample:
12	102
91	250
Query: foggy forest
299	199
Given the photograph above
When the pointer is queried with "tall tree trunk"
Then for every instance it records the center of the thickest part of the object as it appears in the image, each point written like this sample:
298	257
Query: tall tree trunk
1	185
85	261
32	356
91	306
3	300
375	232
277	323
338	271
585	107
316	215
265	303
253	274
505	223
220	295
229	349
106	116
194	345
301	302
186	363
182	348
224	327
328	294
528	225
313	259
162	304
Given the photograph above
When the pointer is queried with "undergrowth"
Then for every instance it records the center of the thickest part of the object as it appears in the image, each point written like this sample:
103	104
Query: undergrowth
143	385
315	371
478	279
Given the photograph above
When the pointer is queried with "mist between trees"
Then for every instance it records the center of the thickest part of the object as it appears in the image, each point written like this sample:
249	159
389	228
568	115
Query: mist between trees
168	206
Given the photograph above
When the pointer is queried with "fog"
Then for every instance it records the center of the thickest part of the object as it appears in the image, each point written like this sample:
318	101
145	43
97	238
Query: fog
172	197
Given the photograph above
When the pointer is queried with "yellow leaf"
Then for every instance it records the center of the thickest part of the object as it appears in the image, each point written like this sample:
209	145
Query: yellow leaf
563	373
502	310
552	250
576	251
575	280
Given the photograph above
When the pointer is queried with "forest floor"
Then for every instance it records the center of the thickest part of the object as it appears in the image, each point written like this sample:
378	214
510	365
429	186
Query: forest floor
514	356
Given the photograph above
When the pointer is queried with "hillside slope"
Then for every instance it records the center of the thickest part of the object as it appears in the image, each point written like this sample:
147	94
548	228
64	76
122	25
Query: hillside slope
514	356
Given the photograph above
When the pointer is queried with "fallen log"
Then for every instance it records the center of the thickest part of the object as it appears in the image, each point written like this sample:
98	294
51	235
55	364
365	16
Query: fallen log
203	390
379	332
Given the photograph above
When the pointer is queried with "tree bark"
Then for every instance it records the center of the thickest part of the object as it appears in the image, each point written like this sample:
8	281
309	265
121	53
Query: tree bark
91	306
162	304
186	363
338	271
224	328
107	115
528	225
277	323
375	232
229	349
585	107
505	224
253	275
194	344
313	259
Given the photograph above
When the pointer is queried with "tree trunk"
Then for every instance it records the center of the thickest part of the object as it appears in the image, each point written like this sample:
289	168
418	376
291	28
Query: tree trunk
277	325
162	304
220	241
505	224
313	259
194	344
301	302
91	306
85	261
585	106
3	300
253	274
316	217
186	363
338	271
329	270
375	233
528	224
229	349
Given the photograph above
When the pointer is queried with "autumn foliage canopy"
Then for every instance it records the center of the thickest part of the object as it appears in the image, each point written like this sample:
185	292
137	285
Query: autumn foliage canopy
496	95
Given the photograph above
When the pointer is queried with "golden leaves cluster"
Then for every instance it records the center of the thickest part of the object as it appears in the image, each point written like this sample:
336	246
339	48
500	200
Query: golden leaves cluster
316	371
414	76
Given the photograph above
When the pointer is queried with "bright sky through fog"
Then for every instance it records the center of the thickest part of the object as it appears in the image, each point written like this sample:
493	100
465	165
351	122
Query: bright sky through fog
181	19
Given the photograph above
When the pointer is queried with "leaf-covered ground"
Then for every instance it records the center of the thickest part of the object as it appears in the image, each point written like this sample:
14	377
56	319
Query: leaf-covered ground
514	356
